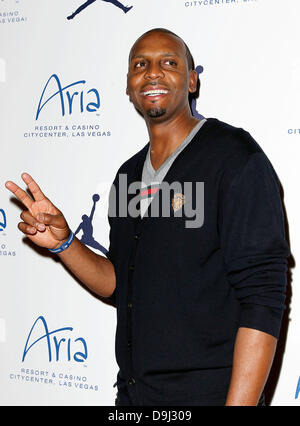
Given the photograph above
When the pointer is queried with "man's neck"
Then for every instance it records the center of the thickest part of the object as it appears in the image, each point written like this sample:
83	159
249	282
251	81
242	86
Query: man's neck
165	137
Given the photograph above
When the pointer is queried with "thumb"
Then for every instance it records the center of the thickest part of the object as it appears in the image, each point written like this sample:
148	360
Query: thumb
57	220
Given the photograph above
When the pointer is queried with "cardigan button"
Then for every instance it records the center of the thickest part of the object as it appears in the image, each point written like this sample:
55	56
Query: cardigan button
131	267
129	305
131	381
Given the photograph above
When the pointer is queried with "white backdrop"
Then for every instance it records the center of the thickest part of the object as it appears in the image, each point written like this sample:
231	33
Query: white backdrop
75	142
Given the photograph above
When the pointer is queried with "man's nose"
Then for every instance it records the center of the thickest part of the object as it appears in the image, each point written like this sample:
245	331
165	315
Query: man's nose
154	71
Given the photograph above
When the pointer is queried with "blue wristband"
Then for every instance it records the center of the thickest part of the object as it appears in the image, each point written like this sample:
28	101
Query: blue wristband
65	245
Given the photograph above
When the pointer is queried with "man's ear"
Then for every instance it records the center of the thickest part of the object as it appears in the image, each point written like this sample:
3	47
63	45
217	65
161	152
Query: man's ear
193	81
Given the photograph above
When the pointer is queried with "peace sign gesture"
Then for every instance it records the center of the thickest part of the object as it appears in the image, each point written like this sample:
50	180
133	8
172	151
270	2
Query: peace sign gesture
42	223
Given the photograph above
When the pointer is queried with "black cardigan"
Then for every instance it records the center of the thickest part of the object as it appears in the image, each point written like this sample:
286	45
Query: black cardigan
182	293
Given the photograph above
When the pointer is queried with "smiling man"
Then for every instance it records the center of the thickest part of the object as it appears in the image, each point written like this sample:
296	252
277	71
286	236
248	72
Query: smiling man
198	308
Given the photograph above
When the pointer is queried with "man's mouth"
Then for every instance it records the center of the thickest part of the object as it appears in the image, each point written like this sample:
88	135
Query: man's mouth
155	92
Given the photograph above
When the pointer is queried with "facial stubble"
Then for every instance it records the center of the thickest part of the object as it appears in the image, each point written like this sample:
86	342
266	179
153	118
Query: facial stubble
156	112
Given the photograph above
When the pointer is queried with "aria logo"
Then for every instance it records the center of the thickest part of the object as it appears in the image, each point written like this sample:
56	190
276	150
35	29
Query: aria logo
116	3
73	96
4	250
2	220
59	342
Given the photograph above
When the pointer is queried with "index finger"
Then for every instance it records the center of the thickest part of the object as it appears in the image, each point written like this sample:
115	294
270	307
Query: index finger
33	187
20	194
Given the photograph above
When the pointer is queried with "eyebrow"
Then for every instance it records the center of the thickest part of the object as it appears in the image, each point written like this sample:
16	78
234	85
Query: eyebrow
168	54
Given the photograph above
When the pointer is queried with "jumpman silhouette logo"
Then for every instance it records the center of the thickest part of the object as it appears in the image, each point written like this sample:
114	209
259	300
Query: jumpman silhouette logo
199	70
89	2
87	228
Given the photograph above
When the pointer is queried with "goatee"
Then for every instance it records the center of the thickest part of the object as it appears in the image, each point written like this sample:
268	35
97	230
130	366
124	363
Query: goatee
156	112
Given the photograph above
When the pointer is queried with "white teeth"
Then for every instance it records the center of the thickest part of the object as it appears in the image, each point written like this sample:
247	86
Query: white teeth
155	92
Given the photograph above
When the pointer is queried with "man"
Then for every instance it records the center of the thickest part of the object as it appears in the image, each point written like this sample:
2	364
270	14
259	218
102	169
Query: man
199	305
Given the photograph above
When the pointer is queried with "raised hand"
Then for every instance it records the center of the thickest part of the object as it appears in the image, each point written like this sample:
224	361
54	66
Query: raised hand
42	223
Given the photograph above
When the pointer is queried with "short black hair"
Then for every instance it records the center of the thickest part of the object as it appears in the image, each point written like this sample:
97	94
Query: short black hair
189	57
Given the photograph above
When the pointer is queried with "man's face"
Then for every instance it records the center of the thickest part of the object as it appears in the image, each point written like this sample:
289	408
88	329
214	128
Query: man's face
158	79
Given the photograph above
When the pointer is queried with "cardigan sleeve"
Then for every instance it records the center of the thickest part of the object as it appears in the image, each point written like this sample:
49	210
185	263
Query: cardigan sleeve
110	253
253	243
112	297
